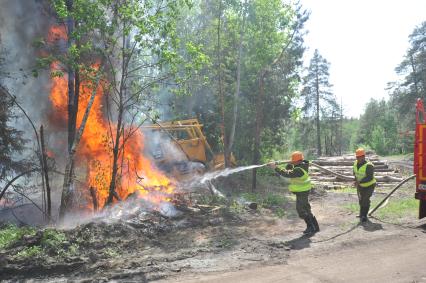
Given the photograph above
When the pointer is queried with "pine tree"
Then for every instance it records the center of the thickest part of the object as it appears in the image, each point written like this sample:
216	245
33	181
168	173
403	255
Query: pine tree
319	100
11	141
413	84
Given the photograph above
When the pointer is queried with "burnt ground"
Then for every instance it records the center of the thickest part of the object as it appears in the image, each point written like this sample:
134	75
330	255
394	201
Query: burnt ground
215	241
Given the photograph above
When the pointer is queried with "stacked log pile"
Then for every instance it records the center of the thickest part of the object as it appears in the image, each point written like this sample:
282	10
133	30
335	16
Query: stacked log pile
342	165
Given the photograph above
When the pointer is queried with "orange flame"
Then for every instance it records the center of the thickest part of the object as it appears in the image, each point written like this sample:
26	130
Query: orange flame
94	153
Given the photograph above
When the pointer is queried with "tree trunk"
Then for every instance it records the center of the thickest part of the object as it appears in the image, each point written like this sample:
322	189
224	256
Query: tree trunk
318	118
46	173
115	152
413	67
67	191
258	129
221	94
72	114
94	198
237	91
120	123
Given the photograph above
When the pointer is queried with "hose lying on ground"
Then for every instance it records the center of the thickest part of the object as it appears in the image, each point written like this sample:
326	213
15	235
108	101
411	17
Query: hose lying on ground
394	189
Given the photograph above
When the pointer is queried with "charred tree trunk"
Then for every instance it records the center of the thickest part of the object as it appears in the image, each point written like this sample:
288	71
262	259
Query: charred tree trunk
94	198
116	151
72	113
46	173
67	190
120	122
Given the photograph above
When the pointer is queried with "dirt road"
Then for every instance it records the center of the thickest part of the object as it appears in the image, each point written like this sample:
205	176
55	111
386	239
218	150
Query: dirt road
392	258
343	251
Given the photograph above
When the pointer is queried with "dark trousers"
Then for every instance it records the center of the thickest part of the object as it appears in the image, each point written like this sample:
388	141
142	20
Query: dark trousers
302	205
364	195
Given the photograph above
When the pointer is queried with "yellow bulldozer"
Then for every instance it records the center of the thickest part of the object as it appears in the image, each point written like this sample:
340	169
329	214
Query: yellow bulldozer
180	148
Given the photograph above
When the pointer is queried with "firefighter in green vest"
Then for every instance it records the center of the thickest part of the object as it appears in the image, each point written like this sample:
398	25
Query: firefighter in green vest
364	181
300	185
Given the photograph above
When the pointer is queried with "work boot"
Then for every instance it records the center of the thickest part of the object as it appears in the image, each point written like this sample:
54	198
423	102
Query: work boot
363	214
310	228
315	223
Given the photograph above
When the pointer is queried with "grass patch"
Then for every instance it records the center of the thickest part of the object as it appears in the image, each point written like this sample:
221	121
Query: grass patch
269	200
33	251
11	233
52	242
399	208
272	201
52	238
345	190
395	208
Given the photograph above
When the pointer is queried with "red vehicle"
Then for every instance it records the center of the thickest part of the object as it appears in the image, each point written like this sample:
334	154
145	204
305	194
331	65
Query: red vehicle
420	157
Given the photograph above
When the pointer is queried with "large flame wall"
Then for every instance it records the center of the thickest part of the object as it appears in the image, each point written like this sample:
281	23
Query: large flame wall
94	153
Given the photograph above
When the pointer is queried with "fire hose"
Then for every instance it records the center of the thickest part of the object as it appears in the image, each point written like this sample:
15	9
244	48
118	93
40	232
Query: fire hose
388	196
341	176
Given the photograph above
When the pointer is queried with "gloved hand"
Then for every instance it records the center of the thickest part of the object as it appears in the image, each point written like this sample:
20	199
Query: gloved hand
272	165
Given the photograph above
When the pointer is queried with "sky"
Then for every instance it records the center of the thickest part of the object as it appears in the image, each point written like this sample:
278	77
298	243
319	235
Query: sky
364	41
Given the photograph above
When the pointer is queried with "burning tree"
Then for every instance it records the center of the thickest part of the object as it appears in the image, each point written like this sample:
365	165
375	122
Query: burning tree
117	54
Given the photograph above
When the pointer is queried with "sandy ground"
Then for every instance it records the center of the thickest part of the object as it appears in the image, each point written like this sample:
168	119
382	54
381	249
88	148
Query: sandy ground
343	251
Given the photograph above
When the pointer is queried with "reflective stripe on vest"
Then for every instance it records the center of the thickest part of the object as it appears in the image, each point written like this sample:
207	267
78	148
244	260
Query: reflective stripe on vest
361	173
300	184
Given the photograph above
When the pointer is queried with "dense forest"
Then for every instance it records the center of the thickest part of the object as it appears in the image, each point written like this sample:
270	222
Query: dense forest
236	66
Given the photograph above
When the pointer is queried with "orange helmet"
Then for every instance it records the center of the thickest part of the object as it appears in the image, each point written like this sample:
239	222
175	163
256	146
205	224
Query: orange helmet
359	152
296	156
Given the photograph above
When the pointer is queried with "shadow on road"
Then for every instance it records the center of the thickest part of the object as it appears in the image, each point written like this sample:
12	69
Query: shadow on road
338	235
371	226
299	243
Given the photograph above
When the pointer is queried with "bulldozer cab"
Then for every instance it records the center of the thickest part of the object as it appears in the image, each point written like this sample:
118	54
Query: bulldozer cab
180	148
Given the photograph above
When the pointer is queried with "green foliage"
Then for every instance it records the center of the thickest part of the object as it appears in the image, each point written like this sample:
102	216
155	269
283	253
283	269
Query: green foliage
264	28
11	233
52	238
379	129
30	252
274	200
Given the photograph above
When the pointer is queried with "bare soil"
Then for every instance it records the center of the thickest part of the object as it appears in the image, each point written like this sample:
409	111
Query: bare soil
237	244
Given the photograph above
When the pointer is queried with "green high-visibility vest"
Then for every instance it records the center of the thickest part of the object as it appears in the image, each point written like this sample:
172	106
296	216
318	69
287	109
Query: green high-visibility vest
361	173
300	184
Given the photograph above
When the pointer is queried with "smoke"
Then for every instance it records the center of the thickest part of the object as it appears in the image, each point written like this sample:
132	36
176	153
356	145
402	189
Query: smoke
21	23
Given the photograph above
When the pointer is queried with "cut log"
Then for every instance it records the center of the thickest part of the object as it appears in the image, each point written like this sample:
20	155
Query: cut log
342	162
